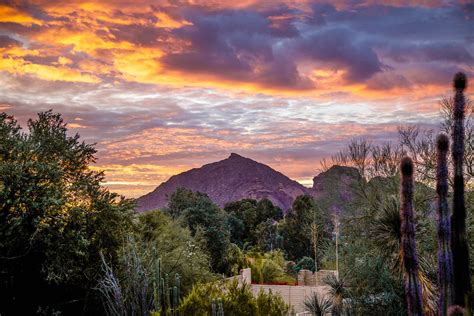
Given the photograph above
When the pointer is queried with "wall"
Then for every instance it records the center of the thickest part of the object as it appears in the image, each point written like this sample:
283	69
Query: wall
291	294
306	277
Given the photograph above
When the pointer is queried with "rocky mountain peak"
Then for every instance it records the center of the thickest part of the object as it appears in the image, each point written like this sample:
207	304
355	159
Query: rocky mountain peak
231	179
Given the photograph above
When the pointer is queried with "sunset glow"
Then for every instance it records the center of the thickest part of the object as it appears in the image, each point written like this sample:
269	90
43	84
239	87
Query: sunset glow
165	86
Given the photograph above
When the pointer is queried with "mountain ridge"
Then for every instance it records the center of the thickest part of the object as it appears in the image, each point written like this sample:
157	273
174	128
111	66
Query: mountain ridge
238	177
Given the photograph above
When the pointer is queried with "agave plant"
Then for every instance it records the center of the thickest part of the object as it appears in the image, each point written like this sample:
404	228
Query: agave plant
318	305
338	294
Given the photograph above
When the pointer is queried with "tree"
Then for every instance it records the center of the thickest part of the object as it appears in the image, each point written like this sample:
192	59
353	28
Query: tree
159	236
253	222
296	228
197	211
55	217
159	264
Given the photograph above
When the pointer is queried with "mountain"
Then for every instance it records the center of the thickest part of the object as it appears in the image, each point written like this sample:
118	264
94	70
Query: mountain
231	179
336	188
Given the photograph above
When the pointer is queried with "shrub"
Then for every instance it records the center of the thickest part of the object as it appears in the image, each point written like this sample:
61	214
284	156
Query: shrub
236	300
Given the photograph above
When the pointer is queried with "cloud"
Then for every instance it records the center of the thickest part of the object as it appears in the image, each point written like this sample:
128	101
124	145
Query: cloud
165	86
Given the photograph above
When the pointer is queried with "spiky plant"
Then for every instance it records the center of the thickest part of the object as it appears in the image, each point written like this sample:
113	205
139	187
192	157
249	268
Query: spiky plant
385	231
338	293
445	258
413	290
459	246
317	305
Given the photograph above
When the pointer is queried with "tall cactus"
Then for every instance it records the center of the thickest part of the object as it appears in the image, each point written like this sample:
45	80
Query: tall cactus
413	291
445	258
462	278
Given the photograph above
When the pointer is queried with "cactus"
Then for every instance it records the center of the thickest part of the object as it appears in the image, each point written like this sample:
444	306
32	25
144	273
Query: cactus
462	278
445	258
413	291
167	291
217	307
214	307
177	283
220	308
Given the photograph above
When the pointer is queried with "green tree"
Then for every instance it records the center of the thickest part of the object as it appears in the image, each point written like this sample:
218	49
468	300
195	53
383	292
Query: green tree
253	222
55	217
296	228
197	211
161	236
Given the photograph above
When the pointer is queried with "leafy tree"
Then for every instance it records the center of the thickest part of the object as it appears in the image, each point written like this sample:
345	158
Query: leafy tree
296	228
197	211
160	236
305	263
266	266
253	222
55	217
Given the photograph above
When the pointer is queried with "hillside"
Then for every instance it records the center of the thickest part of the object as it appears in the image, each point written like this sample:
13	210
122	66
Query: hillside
227	180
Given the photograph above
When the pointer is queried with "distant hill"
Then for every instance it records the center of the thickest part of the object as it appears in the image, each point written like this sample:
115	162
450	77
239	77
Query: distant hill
231	179
335	189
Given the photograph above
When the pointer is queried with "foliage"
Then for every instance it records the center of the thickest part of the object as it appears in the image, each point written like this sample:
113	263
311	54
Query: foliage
197	211
266	267
236	300
140	286
339	294
318	305
253	222
305	263
378	291
52	203
179	252
296	228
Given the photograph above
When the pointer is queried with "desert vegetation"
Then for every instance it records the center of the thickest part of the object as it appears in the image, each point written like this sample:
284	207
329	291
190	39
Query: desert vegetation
69	246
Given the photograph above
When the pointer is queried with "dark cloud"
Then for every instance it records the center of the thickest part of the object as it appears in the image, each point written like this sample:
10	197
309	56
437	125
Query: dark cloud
238	45
340	48
6	41
454	52
139	34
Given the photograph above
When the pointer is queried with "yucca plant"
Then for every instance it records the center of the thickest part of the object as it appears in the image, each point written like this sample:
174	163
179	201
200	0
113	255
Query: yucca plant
317	305
459	246
413	289
338	294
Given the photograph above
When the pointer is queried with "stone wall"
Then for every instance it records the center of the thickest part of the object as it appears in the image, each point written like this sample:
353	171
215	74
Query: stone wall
294	295
308	278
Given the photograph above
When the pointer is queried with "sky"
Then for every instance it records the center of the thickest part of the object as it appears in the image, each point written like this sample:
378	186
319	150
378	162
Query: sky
167	85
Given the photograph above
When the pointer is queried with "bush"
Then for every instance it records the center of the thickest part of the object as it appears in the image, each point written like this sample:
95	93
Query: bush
236	300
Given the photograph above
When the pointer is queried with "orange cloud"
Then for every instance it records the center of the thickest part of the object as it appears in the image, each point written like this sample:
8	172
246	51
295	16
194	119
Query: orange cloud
13	15
19	66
